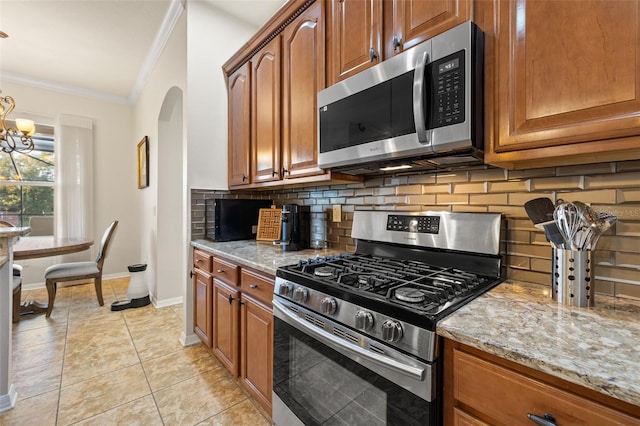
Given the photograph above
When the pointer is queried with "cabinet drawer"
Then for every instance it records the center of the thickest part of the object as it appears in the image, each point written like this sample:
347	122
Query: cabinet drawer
226	271
506	396
259	286
202	260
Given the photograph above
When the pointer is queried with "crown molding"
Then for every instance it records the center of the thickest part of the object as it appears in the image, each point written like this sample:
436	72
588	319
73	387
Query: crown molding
71	90
166	28
153	55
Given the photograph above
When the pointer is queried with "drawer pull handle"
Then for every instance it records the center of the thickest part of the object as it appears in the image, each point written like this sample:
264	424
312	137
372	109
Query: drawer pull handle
221	271
253	286
546	420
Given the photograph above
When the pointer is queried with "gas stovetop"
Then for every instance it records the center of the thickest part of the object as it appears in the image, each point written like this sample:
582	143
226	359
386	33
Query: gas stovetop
415	285
410	290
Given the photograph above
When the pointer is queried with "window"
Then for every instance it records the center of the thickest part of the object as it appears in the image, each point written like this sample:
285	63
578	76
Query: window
26	181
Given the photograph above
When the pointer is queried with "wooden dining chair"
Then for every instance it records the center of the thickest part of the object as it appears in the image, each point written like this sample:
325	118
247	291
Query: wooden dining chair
16	282
72	271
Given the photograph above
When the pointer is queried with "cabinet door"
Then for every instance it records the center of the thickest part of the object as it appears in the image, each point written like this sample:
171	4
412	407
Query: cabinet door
418	20
239	126
303	76
225	325
257	350
265	105
202	305
566	94
355	37
480	388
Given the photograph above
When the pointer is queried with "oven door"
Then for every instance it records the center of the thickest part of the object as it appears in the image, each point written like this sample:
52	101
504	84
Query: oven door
324	373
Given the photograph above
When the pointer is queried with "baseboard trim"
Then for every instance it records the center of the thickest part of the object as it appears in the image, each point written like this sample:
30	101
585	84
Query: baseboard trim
189	340
8	401
166	302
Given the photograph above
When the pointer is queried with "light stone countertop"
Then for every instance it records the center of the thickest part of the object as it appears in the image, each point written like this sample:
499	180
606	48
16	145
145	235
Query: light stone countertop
260	255
598	348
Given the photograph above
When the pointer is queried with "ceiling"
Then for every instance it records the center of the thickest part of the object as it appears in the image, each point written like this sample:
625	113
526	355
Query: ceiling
97	48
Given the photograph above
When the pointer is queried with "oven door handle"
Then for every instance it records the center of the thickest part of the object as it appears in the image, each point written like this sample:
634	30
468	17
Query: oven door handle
339	344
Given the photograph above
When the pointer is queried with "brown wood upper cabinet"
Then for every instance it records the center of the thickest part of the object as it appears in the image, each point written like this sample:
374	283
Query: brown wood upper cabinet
563	94
239	99
265	113
361	33
303	77
283	78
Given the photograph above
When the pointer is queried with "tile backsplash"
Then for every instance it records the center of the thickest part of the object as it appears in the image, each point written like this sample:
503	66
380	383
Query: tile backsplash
610	187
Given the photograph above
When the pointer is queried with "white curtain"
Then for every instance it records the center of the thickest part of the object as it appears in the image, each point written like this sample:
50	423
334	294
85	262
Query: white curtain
73	187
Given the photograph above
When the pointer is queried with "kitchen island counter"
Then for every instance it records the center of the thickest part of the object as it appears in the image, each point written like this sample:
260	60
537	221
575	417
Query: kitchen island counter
597	348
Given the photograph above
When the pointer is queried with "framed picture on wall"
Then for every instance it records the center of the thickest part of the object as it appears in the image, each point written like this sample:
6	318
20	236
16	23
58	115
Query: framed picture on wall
143	163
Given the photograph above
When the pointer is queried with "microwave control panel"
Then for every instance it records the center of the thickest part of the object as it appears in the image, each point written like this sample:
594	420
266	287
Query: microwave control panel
420	224
448	98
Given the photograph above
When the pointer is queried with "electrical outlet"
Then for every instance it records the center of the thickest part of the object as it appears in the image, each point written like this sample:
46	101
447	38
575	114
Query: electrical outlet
337	213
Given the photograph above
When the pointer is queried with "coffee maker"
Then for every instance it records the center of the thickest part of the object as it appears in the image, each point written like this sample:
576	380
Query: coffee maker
296	227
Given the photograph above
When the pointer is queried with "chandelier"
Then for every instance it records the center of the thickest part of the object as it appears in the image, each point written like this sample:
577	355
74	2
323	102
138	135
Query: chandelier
16	138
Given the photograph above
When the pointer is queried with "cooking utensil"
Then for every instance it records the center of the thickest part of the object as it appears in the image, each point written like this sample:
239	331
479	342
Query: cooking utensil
607	222
540	211
569	223
588	215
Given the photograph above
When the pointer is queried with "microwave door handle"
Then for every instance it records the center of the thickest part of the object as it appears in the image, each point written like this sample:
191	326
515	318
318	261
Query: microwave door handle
339	344
419	107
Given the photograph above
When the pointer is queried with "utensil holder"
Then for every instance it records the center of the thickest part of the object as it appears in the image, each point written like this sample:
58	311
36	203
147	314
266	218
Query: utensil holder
572	277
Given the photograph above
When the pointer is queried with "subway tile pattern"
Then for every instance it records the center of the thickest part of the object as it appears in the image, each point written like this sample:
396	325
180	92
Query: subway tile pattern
608	187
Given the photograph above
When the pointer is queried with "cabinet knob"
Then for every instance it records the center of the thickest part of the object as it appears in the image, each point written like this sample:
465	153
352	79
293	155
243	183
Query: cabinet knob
372	55
274	173
546	420
221	271
244	177
231	299
284	171
253	285
190	274
397	40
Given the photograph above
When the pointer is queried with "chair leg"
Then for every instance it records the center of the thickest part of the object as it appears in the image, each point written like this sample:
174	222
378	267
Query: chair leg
98	284
51	291
17	295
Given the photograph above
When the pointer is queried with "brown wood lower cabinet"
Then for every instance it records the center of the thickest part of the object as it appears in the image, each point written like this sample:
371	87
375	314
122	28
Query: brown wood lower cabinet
225	325
202	296
233	316
484	389
256	341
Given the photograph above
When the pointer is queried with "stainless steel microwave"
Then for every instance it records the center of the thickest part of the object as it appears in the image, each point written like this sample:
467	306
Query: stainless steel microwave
424	104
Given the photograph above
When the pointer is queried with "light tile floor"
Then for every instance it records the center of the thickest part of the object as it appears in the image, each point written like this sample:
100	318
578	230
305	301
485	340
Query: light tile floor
87	365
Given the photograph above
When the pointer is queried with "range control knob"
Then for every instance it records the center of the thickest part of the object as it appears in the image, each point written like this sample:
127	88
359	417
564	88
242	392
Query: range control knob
364	320
285	290
391	331
300	294
328	305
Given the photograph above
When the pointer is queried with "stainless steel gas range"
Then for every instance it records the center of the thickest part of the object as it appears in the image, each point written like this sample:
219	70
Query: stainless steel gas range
354	334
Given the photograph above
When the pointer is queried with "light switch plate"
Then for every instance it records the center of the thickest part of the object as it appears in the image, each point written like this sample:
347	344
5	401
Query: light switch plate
337	213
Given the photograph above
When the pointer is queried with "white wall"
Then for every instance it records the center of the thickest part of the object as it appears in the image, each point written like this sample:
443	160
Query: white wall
213	37
114	165
161	239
